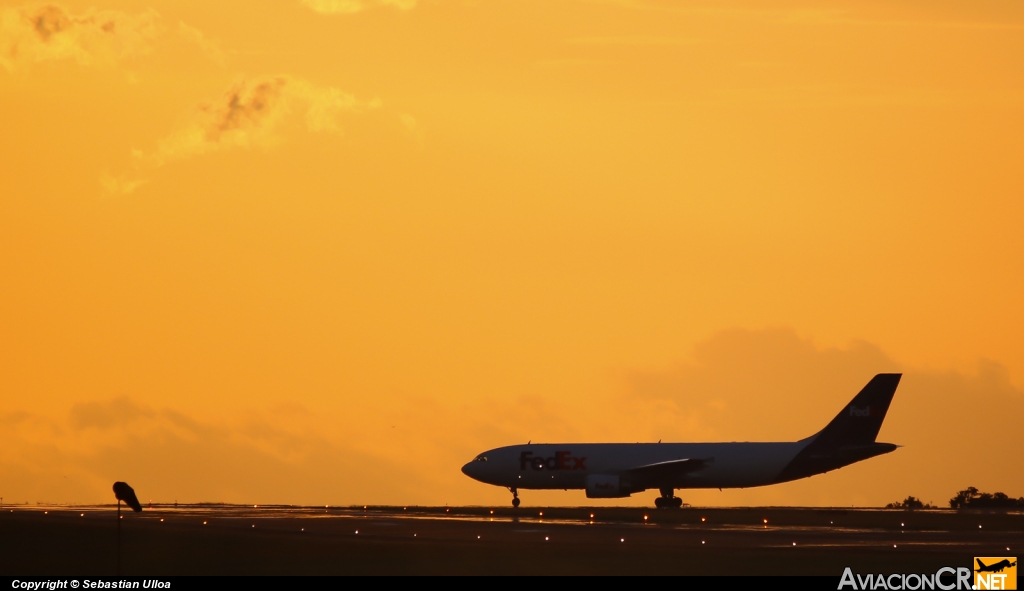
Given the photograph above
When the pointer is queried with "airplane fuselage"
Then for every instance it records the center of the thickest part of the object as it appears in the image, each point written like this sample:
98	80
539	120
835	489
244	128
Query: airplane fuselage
725	465
610	470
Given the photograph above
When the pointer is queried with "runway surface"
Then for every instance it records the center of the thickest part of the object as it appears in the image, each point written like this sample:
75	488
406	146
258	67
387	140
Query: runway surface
246	539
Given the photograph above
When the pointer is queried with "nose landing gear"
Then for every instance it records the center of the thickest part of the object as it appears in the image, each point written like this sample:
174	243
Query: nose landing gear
668	499
515	497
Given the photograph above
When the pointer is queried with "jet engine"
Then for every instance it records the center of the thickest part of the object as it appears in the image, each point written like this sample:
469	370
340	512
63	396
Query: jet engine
605	486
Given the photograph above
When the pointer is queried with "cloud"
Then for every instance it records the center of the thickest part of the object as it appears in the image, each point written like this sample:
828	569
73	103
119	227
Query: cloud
94	415
353	6
168	455
210	48
823	16
31	35
284	454
758	373
638	40
575	63
254	112
958	429
257	112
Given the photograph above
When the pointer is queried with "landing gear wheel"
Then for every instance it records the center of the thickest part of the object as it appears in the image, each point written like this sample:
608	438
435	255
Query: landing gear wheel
515	497
667	499
515	502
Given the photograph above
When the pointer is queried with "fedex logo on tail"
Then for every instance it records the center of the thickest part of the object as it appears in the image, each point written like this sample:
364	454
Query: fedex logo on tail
562	460
860	412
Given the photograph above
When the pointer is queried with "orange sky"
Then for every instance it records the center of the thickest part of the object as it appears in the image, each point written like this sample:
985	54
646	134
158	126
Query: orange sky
325	251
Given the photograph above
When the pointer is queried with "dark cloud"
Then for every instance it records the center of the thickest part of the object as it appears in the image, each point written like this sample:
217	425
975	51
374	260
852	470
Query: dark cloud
168	455
106	415
255	112
766	384
958	429
31	34
50	20
246	106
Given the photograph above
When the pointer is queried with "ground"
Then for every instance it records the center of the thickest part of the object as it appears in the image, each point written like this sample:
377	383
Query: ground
233	539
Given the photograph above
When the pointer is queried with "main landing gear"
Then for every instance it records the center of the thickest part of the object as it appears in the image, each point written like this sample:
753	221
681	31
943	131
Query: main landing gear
515	497
668	500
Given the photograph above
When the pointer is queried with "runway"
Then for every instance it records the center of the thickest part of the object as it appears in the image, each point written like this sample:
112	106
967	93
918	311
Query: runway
255	540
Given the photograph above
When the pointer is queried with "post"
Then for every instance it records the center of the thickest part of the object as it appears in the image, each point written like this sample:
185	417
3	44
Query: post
119	537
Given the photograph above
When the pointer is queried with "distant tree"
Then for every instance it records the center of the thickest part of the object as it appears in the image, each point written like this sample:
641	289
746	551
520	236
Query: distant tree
972	498
909	503
963	498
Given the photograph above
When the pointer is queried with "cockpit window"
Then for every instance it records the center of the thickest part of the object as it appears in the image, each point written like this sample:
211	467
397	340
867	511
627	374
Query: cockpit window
480	459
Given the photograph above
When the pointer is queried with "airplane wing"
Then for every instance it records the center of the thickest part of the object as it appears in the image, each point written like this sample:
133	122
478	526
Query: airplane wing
661	471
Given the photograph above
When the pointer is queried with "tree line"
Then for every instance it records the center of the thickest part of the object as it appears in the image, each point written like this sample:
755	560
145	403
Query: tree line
969	498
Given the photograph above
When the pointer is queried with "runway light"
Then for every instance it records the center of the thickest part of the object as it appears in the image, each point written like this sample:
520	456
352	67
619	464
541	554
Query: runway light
546	538
894	545
478	537
591	515
702	542
645	518
254	506
703	518
303	529
542	515
357	531
765	520
204	523
254	525
622	539
46	512
81	515
492	511
121	516
161	519
979	526
414	535
794	543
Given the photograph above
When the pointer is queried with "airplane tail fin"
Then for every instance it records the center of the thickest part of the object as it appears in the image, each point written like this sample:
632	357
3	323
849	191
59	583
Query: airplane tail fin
859	422
980	563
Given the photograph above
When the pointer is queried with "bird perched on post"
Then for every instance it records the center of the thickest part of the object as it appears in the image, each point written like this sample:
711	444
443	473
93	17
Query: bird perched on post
125	493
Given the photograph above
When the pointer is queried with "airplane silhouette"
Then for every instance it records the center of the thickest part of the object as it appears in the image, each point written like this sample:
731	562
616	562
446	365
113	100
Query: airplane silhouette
994	568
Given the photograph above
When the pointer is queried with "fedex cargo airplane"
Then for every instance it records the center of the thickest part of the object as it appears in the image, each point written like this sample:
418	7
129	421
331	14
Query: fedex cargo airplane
615	470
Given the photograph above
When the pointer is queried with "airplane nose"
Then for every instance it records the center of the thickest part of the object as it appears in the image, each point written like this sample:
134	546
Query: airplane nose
467	469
